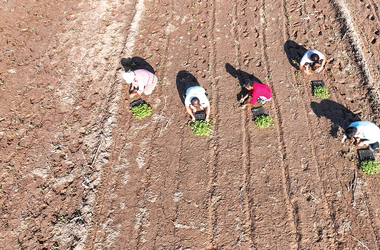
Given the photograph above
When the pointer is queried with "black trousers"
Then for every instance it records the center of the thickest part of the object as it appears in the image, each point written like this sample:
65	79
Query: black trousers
374	146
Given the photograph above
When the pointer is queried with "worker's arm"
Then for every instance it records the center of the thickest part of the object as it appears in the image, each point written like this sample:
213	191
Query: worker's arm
304	68
208	113
324	60
190	112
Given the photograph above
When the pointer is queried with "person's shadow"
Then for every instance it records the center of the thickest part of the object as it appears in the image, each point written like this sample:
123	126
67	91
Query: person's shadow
294	52
339	115
184	81
135	63
242	76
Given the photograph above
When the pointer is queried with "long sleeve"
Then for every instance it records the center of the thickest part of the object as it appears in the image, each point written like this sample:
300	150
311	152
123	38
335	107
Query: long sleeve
141	87
255	96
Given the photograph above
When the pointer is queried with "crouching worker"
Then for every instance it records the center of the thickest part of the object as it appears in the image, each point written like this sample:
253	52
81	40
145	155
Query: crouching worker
142	80
312	59
196	100
260	93
365	133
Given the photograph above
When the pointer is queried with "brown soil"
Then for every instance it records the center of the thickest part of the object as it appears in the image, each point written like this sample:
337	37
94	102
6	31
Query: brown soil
78	171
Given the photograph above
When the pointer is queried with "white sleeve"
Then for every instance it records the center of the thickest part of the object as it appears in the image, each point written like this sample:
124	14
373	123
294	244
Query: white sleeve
187	101
305	58
204	100
321	56
141	86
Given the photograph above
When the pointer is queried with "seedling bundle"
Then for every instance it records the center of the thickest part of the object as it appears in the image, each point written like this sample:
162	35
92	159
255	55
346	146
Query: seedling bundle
261	118
370	167
140	109
320	90
201	128
367	161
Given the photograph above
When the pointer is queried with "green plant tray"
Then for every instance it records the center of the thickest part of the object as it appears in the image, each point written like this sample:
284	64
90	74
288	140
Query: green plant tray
258	111
200	116
366	155
137	103
317	83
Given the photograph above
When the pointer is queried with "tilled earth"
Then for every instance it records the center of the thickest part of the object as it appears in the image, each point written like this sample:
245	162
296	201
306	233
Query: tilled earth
78	171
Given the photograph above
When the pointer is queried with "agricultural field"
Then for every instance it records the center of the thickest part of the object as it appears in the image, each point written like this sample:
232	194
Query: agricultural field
79	171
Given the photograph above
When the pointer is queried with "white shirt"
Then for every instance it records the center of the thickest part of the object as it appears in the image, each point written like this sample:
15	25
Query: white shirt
200	93
367	131
306	57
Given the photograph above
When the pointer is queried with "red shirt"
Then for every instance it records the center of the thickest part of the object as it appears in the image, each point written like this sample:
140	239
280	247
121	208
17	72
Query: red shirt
260	90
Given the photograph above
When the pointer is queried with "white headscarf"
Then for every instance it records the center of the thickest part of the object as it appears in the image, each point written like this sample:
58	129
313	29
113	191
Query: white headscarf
129	77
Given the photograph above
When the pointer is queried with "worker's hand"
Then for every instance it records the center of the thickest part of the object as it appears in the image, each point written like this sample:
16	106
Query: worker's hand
193	118
243	106
361	143
133	95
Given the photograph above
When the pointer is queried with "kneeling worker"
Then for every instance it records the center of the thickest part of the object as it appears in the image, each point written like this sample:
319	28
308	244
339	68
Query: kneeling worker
312	59
365	133
141	79
196	100
259	92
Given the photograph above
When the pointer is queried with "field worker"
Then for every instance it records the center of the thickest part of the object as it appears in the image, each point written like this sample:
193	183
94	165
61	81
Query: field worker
142	80
365	133
260	93
312	59
196	100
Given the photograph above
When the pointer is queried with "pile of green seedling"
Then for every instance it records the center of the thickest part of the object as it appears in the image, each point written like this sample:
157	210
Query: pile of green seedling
321	92
141	111
263	121
370	167
201	128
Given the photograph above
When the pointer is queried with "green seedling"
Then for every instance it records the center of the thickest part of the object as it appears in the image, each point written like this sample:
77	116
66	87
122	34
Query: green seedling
321	92
201	128
141	111
61	218
370	167
263	121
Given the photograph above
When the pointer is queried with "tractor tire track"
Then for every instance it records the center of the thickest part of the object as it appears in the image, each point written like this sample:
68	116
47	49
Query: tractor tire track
269	230
232	228
246	163
304	192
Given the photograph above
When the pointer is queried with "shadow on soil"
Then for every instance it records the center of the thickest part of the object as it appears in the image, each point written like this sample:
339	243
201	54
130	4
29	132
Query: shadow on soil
184	81
339	115
242	77
135	63
294	52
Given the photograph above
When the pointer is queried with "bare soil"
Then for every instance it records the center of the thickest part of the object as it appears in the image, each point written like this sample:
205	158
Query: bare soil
78	171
